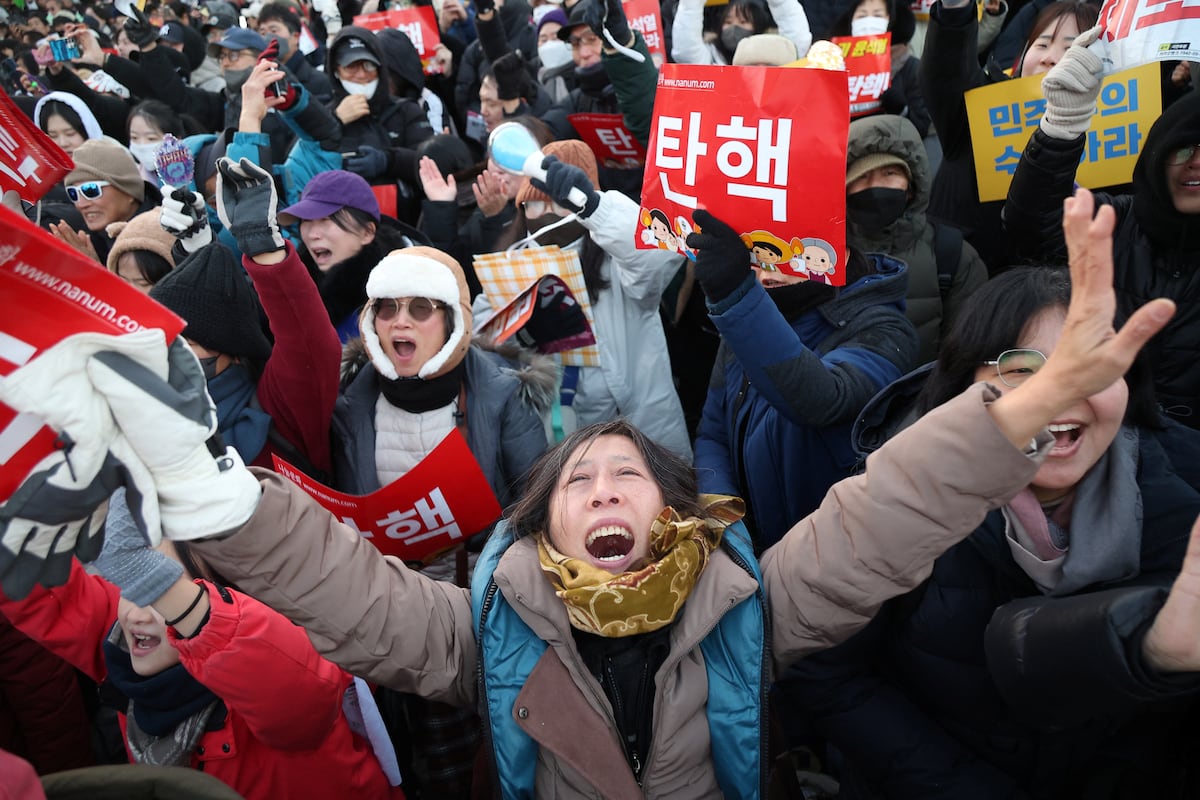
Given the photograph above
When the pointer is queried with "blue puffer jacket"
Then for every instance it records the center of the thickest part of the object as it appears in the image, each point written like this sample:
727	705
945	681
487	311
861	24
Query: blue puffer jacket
776	424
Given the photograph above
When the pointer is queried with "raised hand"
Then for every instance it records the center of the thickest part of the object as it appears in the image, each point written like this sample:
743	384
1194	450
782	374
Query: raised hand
1173	642
722	260
247	204
437	188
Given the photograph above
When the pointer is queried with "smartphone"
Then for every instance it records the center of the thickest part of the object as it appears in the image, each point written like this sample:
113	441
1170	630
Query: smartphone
64	49
277	89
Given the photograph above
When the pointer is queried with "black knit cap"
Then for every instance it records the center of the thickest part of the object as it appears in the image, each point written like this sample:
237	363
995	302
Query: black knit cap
213	295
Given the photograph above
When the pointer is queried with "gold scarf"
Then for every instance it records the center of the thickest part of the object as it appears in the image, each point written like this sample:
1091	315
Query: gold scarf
648	598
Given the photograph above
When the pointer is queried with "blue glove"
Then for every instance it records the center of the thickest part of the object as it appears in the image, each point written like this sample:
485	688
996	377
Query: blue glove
369	162
142	574
561	178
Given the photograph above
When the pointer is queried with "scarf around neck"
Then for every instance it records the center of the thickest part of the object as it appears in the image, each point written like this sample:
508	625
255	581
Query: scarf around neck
650	597
239	422
418	395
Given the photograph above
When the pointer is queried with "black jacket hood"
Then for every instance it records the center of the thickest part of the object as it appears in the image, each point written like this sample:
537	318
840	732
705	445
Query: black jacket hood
1152	205
403	60
382	93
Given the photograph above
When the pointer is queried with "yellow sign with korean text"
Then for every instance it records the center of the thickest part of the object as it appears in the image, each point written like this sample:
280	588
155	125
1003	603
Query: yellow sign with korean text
1003	115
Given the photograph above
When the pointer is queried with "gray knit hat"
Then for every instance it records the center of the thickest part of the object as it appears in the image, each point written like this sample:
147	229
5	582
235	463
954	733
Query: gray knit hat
107	160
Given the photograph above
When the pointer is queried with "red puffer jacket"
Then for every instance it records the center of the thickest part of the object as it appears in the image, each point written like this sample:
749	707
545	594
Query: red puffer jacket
285	734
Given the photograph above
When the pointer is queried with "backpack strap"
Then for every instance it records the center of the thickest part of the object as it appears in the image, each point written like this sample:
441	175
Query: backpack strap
947	250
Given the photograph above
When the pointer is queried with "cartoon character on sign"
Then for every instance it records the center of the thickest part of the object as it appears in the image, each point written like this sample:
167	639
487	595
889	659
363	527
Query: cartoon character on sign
820	260
683	227
769	251
658	230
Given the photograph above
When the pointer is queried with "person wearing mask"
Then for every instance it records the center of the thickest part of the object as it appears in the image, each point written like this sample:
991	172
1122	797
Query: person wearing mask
556	71
280	22
1158	235
739	19
949	68
149	122
887	195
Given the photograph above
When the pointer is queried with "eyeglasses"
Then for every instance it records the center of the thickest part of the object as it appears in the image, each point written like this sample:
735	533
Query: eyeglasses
419	308
91	190
1183	155
588	39
1015	366
369	67
232	56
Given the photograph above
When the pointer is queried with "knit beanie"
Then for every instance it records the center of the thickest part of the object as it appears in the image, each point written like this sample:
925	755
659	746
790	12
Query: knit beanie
419	272
107	160
512	79
568	151
874	161
213	295
143	232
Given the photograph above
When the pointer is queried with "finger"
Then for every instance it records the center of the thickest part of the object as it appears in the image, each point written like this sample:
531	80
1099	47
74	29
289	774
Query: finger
1141	327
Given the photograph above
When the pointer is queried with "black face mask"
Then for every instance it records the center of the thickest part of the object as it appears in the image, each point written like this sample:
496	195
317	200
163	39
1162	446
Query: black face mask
733	35
876	207
593	80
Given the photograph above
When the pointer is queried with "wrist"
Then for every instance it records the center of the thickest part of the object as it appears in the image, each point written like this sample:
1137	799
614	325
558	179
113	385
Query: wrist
184	606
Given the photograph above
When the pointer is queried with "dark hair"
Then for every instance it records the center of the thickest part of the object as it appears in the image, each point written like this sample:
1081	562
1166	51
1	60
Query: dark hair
152	267
754	10
59	108
774	248
159	113
1085	15
993	319
280	12
661	216
197	568
353	220
674	476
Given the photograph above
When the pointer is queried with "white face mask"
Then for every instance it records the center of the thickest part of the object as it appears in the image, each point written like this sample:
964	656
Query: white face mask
144	153
868	26
554	53
365	89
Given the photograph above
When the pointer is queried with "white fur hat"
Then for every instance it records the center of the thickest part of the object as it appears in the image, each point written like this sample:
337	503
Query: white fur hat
419	272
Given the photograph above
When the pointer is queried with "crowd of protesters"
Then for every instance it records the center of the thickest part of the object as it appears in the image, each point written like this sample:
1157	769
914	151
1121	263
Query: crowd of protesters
913	536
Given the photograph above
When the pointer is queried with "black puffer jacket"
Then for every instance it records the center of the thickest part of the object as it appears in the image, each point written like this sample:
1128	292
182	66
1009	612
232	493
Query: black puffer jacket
1156	249
395	125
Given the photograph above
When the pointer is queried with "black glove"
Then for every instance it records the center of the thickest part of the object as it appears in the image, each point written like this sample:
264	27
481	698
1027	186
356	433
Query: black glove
561	178
893	100
601	14
368	162
722	260
246	204
483	6
139	29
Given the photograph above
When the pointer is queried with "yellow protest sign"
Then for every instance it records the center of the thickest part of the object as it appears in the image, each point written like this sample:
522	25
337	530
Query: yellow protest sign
1003	115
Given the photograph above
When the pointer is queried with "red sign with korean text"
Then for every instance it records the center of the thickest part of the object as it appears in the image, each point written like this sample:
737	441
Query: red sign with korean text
48	291
645	17
1142	31
762	148
611	142
417	22
437	505
868	70
30	162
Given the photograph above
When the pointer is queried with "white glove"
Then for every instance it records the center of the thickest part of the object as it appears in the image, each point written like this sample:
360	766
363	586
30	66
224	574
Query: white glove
58	510
202	489
185	217
1071	87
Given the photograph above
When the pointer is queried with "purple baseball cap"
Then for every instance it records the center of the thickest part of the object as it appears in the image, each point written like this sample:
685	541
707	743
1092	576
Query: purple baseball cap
330	192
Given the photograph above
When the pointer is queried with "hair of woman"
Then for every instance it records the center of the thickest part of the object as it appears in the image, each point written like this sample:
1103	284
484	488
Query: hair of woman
1085	15
61	109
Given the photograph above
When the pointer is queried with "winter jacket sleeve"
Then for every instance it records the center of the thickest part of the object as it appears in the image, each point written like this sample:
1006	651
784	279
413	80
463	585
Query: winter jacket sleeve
643	274
312	121
522	441
807	388
1066	660
110	111
908	88
950	67
491	36
242	638
1045	176
466	86
635	83
687	34
887	740
71	620
792	22
971	274
299	384
714	465
989	27
876	535
367	613
164	83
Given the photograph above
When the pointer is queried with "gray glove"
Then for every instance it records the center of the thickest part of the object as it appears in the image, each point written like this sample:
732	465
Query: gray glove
142	574
246	204
1071	87
58	510
201	489
184	216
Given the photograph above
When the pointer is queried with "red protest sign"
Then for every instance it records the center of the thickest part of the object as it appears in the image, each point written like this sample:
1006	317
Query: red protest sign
438	504
49	291
1143	31
645	17
417	22
611	142
868	70
30	163
764	149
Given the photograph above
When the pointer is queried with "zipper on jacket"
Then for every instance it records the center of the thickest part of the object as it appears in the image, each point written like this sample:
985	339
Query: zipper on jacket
631	752
736	452
489	599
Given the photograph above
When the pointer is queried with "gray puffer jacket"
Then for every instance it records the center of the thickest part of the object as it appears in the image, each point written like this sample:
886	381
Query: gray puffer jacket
911	237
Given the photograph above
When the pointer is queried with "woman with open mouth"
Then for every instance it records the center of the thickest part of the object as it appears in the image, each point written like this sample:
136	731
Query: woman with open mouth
961	663
617	638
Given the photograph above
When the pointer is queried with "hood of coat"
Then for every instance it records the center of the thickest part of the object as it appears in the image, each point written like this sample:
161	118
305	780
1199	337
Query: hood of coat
888	283
887	133
403	60
515	16
382	93
1155	211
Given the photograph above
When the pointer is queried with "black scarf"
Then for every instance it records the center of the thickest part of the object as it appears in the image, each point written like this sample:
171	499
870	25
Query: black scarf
417	395
161	702
344	287
797	299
